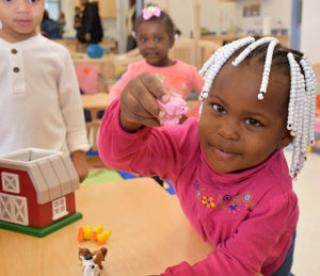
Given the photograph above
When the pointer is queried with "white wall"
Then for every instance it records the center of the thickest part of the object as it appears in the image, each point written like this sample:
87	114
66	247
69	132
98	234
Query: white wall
215	15
68	8
219	16
278	12
180	12
310	34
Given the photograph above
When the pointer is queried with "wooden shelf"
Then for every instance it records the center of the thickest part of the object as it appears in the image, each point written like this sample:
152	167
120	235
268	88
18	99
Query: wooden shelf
107	8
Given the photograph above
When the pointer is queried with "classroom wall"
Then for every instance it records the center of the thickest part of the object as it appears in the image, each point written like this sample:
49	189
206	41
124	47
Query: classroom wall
276	14
215	16
220	16
310	35
68	8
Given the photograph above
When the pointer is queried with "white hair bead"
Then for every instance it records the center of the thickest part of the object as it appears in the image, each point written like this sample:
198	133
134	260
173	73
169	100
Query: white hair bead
213	66
311	93
250	48
261	95
301	113
267	68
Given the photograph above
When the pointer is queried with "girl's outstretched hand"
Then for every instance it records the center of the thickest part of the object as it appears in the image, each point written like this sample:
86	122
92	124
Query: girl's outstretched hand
138	102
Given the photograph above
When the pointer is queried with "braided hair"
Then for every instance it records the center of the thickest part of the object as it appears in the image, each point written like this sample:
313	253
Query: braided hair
301	106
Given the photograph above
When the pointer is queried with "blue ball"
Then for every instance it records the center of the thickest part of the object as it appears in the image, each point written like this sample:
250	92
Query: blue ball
95	51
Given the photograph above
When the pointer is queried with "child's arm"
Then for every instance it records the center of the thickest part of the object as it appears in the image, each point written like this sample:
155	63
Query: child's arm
79	161
130	142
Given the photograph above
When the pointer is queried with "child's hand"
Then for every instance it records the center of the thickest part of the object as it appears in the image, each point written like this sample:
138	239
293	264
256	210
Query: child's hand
79	161
138	102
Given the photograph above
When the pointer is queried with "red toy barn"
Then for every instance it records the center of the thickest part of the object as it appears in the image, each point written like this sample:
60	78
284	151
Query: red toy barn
36	187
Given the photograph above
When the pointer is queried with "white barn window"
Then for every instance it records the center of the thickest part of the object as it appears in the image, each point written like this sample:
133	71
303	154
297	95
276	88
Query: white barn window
14	209
10	182
59	208
53	8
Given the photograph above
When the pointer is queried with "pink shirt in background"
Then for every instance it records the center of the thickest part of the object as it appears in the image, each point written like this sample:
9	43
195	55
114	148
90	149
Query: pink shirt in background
249	217
181	78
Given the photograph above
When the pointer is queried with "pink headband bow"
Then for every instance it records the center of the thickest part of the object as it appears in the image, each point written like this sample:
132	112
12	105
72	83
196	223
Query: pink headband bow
151	11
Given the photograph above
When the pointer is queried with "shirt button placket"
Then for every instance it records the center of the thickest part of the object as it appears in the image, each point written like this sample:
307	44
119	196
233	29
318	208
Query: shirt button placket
14	52
18	84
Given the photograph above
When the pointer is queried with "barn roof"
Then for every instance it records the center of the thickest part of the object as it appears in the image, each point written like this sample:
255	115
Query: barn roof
51	172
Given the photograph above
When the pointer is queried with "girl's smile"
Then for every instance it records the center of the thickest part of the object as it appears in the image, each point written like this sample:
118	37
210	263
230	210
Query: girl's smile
222	154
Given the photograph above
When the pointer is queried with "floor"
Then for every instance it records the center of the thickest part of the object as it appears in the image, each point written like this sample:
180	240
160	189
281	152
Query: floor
307	187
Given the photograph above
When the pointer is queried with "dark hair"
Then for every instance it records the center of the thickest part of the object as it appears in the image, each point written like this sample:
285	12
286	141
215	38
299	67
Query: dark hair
45	15
164	19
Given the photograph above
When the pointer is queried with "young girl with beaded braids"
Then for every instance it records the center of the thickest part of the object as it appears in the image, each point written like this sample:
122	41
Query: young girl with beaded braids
229	171
155	36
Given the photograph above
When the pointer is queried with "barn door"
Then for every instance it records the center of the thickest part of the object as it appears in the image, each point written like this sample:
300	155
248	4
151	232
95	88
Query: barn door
14	209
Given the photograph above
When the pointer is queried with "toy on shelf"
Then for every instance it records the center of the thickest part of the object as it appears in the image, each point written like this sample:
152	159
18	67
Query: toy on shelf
37	191
94	50
96	234
174	109
92	261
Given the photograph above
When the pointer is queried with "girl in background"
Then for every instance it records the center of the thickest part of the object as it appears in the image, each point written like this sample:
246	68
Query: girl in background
155	35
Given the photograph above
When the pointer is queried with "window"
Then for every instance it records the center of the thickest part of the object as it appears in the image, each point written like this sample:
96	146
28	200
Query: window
14	209
59	208
10	182
53	8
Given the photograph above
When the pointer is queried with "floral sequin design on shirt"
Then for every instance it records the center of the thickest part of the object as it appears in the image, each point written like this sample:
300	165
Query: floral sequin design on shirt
208	201
233	208
231	202
248	201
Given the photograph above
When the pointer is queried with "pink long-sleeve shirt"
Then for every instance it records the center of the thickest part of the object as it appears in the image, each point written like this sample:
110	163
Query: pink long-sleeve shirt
249	217
181	78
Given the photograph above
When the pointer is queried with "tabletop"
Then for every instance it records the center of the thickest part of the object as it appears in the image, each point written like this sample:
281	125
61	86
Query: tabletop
95	101
149	233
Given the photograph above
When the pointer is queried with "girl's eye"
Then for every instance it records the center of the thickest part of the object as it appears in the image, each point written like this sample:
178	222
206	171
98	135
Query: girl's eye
142	39
157	39
218	108
253	122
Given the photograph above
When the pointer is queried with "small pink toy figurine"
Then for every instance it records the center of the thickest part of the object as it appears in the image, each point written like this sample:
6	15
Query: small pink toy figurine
92	261
174	109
